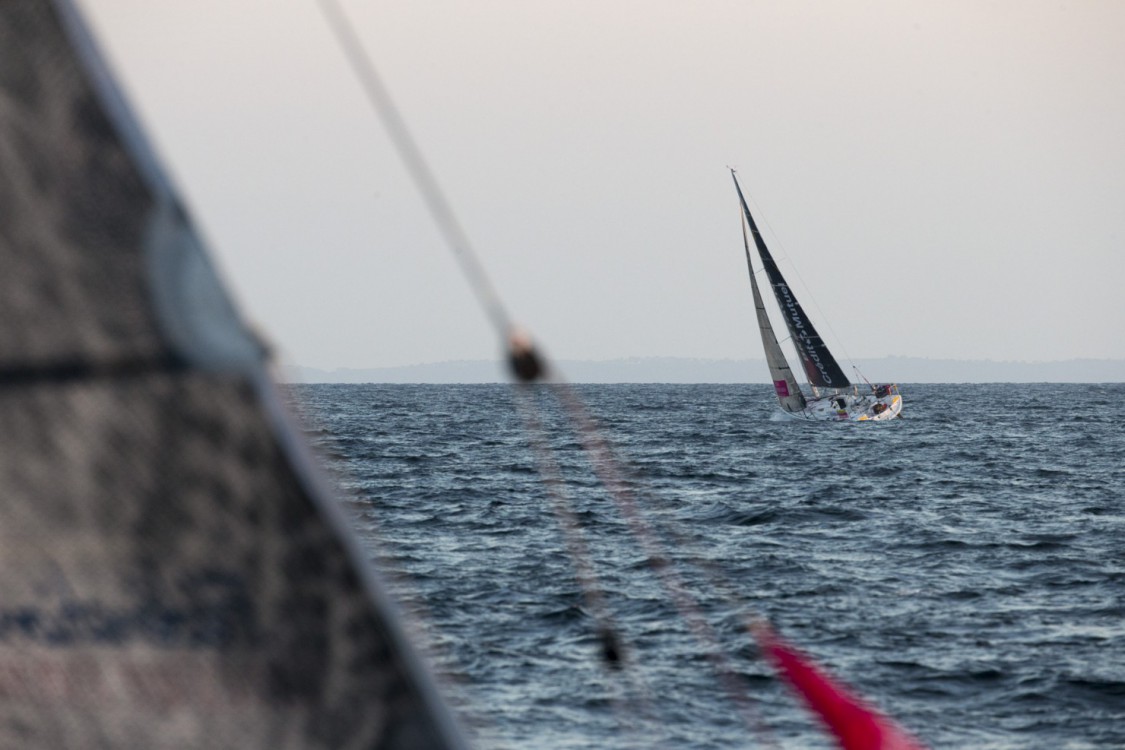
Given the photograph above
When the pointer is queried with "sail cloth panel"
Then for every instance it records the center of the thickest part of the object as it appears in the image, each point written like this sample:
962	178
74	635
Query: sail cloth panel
170	574
784	383
820	366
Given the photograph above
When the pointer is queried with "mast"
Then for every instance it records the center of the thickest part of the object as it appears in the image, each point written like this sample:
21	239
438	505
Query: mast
784	383
820	366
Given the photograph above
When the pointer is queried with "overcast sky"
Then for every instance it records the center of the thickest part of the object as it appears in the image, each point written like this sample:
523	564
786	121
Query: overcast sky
941	180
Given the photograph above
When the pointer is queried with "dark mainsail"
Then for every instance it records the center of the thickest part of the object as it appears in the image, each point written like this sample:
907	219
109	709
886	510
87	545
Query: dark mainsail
172	572
820	366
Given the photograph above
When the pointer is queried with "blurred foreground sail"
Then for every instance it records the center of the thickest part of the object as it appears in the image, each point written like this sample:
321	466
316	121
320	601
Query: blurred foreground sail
171	573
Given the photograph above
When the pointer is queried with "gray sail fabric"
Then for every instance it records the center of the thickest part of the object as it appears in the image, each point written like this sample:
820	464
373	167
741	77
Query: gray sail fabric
784	383
172	573
820	366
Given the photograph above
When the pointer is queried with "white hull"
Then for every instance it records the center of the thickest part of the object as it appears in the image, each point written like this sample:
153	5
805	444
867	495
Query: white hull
852	408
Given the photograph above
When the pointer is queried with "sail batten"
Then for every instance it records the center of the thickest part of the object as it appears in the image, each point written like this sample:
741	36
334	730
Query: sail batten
819	365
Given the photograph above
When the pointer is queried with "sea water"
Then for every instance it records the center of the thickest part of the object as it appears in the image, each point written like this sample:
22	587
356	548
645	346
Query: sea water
962	567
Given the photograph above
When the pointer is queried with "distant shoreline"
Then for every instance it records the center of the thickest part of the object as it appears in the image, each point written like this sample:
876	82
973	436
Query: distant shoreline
687	370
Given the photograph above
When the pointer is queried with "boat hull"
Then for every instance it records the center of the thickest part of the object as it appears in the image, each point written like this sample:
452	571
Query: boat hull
851	407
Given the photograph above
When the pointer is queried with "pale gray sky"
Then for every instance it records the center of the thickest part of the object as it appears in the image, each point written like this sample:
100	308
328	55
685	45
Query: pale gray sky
947	178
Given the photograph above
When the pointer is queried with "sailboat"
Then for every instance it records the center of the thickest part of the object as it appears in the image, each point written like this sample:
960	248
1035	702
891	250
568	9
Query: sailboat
834	397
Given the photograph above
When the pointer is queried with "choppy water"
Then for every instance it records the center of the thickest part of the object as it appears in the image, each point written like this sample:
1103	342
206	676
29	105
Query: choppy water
963	567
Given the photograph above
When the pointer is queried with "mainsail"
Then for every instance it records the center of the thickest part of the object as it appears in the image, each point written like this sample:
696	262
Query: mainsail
820	366
784	383
172	572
